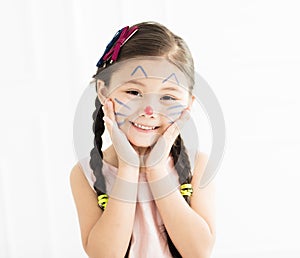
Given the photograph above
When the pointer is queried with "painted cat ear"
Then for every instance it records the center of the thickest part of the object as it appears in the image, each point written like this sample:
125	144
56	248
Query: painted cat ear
139	68
173	76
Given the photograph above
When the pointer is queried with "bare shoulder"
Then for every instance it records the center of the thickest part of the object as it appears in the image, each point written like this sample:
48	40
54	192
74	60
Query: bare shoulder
78	180
76	174
201	159
80	185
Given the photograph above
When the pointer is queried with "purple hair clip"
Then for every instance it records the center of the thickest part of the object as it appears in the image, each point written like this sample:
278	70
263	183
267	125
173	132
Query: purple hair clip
113	48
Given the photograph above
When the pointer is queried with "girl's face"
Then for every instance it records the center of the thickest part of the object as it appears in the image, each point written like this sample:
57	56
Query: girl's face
145	106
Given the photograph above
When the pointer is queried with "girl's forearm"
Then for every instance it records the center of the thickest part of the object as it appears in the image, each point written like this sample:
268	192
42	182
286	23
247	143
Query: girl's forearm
111	234
189	232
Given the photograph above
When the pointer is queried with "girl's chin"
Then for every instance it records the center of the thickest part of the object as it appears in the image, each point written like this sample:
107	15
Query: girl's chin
143	142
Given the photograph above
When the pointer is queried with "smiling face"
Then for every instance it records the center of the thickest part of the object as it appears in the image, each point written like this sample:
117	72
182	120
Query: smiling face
148	97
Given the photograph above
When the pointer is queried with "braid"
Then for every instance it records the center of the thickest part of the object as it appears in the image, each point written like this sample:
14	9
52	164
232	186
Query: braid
96	161
182	163
183	168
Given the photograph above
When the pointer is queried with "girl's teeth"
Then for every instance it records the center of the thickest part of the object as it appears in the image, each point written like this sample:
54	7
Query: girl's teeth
144	127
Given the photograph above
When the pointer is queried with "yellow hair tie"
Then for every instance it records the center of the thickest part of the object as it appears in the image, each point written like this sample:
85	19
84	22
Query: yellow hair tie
186	190
102	201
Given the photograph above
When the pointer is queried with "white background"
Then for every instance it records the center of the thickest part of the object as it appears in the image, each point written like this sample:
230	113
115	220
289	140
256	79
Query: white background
249	53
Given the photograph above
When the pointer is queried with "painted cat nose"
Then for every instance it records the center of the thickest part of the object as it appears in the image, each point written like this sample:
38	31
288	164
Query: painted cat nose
148	110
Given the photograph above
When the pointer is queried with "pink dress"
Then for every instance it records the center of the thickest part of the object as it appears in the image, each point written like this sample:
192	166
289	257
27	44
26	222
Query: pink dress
148	235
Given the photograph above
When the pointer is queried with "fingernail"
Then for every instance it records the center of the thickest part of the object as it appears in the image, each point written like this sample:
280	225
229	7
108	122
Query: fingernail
108	102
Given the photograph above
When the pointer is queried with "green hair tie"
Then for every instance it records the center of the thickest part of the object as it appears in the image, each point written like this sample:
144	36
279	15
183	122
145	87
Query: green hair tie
102	201
186	190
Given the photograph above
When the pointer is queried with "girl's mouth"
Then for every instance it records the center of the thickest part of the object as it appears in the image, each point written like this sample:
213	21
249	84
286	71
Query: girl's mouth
144	128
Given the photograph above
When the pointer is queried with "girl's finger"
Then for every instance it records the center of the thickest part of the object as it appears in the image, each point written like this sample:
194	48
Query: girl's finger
174	130
109	118
108	124
110	109
184	117
108	121
171	133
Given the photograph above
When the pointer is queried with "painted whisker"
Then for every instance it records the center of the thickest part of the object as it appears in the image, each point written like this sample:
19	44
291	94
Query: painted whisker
120	114
176	106
174	113
121	103
170	76
121	123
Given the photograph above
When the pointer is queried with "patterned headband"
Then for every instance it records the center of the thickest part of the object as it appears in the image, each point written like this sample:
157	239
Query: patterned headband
113	48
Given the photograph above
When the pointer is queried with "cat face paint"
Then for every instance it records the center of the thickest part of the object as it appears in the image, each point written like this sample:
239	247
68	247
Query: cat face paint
148	96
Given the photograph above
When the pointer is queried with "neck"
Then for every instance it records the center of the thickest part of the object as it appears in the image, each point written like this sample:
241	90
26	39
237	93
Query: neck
110	155
142	151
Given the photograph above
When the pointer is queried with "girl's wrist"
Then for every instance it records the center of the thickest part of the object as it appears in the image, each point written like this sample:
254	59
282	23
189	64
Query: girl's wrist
128	172
127	165
156	173
161	182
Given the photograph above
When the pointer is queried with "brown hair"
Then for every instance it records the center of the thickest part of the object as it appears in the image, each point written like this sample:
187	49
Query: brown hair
151	39
154	39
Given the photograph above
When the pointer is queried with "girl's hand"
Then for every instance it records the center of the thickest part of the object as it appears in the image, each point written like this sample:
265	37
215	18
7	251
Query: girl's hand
157	158
126	153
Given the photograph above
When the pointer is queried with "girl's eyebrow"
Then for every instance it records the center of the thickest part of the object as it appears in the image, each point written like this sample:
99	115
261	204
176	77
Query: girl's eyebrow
137	82
177	89
166	88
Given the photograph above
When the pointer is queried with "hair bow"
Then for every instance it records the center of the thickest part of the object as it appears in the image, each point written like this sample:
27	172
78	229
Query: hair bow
113	48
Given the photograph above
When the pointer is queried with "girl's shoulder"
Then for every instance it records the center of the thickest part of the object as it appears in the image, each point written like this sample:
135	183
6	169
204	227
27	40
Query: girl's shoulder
108	170
201	176
79	182
84	166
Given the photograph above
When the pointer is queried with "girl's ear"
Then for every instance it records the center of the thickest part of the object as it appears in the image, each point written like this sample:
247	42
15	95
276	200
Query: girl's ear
191	101
102	91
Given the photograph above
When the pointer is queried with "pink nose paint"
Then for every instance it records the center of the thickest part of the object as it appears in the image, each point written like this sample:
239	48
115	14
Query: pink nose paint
148	110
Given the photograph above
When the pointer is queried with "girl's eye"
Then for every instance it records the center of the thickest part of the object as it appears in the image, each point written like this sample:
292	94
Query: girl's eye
134	92
167	98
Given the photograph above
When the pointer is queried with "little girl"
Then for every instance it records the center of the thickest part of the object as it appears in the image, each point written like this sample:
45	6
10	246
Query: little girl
140	197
